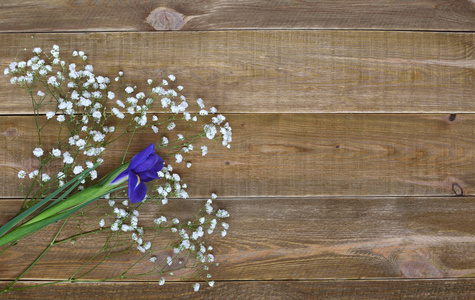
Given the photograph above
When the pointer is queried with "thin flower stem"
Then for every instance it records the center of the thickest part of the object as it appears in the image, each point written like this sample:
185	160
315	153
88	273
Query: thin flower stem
128	145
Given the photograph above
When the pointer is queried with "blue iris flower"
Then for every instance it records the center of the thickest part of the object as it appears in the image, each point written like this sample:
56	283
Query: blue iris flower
142	168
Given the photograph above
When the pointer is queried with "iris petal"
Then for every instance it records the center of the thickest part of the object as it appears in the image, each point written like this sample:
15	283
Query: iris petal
137	188
151	173
142	156
121	176
149	162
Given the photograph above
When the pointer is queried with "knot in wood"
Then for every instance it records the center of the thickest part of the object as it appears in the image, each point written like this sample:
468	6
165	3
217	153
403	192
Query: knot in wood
163	18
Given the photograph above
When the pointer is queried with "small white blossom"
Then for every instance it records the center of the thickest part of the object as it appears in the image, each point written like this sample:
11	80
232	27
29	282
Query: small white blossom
56	152
50	114
102	223
38	152
60	118
97	114
78	169
41	94
221	213
115	226
33	174
196	287
21	174
129	89
171	126
179	158
204	150
188	164
200	103
161	281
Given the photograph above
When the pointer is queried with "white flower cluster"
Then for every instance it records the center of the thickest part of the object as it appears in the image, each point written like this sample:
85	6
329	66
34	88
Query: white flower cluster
85	104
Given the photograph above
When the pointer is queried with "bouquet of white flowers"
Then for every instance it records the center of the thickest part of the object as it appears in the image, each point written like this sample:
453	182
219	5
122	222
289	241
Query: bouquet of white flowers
90	112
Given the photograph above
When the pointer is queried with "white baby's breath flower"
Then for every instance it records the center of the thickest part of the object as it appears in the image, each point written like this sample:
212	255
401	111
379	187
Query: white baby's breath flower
50	114
200	103
33	174
188	165
56	152
60	118
196	287
38	152
21	174
102	223
179	158
221	213
171	126
172	77
40	93
161	281
78	169
129	89
115	226
204	150
37	50
96	114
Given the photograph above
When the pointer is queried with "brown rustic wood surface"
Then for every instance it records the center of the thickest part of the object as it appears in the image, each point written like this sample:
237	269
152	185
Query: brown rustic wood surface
322	289
299	155
294	238
351	172
149	15
296	71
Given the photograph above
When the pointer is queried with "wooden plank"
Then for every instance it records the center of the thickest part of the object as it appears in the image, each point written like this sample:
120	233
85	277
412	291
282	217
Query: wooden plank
296	155
279	71
327	289
86	15
284	239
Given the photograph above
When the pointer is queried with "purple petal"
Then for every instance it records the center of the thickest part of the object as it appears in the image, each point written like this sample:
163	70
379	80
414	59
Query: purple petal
121	176
142	156
148	163
137	188
151	173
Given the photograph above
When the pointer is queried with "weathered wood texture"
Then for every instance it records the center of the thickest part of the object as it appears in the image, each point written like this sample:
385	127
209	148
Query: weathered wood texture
103	15
279	71
297	155
326	289
288	239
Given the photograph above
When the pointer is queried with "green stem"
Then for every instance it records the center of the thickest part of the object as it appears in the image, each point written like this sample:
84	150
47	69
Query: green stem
36	260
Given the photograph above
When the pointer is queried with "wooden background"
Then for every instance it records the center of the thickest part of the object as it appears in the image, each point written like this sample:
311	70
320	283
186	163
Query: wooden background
352	170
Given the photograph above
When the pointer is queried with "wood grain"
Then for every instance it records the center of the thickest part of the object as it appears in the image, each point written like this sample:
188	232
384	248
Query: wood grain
326	289
296	155
278	71
149	15
286	239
